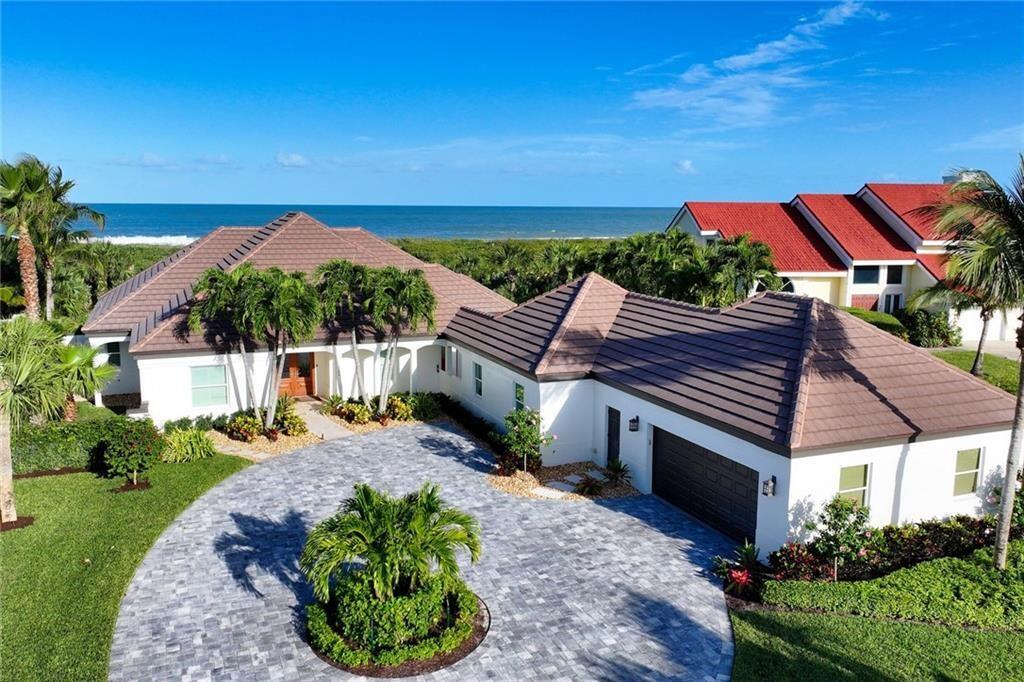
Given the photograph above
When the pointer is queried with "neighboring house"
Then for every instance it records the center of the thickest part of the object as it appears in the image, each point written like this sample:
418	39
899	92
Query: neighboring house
869	250
749	417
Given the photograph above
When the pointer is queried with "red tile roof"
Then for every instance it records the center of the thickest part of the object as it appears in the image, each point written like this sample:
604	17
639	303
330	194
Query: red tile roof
905	199
934	263
857	229
795	246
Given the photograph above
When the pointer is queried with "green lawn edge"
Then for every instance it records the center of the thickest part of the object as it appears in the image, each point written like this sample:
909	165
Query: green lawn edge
65	575
997	370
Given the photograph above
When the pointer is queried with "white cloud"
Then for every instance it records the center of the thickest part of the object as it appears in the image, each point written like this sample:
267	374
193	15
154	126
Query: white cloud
656	65
686	167
213	160
747	89
291	160
147	160
1011	138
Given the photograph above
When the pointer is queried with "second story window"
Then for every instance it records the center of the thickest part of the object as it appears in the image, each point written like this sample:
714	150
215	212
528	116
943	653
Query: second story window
865	274
894	274
114	353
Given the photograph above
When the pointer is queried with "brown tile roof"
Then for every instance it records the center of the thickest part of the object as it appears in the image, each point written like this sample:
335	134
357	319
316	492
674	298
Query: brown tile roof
557	333
790	373
152	305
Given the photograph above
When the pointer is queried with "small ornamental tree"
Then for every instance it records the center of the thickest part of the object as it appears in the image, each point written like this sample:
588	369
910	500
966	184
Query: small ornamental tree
132	448
843	533
523	440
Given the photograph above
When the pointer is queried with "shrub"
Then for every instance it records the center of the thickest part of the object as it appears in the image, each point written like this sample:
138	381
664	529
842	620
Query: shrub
843	533
380	624
744	573
332	404
618	472
522	441
398	408
356	412
930	330
244	426
132	447
588	486
883	321
173	425
188	445
795	561
287	419
59	445
425	406
949	590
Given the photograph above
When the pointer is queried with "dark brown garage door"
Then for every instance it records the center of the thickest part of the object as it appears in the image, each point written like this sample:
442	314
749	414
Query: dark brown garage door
715	489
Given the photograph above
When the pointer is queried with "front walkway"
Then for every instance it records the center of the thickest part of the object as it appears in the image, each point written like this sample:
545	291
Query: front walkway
614	591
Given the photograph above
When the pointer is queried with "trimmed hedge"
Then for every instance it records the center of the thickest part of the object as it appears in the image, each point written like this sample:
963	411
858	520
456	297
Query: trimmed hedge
883	321
59	445
950	591
325	639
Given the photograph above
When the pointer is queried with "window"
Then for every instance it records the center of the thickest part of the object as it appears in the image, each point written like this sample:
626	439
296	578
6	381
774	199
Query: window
968	465
478	379
454	362
444	360
853	483
892	303
114	353
865	274
894	274
209	386
520	394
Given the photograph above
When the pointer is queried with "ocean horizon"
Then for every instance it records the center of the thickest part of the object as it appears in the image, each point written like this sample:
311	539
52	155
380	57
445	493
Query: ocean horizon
181	223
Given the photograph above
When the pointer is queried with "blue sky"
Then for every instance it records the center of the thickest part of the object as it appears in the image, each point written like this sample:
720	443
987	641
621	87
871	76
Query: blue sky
518	104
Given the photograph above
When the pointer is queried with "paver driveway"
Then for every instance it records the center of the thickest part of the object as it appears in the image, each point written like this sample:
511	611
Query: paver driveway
615	590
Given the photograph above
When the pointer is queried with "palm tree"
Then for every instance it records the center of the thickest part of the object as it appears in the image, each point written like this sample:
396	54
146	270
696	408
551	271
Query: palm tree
236	296
24	193
342	286
751	262
55	235
984	223
32	385
288	309
401	541
398	299
82	375
508	262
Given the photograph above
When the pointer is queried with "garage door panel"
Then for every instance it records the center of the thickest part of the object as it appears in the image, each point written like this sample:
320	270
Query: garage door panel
715	489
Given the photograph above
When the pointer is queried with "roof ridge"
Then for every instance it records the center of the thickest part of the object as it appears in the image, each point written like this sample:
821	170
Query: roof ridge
677	304
796	420
176	258
564	324
541	295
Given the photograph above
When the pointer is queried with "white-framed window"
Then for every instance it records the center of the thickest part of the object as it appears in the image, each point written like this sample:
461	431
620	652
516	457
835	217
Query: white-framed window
478	379
454	362
866	274
892	303
519	393
968	470
853	483
209	386
113	350
894	274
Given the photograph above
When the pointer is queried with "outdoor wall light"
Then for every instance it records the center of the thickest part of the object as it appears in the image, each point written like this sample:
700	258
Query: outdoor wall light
634	424
768	487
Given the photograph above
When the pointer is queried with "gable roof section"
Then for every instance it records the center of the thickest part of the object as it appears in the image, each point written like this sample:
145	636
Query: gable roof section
934	263
905	198
152	305
856	228
554	334
795	246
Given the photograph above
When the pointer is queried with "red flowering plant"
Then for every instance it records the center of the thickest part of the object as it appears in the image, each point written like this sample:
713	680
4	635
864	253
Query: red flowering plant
743	574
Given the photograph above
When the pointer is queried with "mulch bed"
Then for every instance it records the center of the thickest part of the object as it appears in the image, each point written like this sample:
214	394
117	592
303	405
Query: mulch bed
51	472
20	523
128	487
481	626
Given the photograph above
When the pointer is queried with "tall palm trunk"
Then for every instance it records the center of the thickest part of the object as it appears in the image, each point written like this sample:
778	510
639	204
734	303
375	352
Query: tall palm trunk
70	409
389	367
280	363
27	266
48	280
979	357
250	379
360	381
1009	490
7	511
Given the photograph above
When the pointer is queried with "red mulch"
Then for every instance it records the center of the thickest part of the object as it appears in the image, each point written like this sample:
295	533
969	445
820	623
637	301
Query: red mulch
481	626
20	523
51	472
128	487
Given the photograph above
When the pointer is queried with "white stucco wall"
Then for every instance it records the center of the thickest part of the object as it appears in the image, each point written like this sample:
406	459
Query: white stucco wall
567	409
127	379
498	397
906	482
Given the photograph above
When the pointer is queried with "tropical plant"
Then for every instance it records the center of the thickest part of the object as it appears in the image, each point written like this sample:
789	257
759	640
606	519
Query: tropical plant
398	299
399	408
82	375
234	296
24	195
356	412
842	532
751	263
132	448
523	440
288	420
744	573
343	287
425	406
55	236
401	542
588	486
244	426
332	405
929	329
984	223
10	299
188	445
618	472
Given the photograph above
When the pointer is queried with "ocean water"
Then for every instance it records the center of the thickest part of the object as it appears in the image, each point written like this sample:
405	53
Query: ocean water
180	223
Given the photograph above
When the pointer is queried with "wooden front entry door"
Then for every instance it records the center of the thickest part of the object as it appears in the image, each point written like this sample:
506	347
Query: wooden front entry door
297	379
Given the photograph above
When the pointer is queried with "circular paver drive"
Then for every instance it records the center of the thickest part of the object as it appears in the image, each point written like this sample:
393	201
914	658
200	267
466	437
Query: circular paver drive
614	590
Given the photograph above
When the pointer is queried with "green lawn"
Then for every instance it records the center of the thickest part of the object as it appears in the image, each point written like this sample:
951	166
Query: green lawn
998	371
801	646
64	576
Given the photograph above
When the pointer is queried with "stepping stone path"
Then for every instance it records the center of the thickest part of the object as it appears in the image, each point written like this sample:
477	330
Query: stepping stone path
547	493
562	485
573	478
